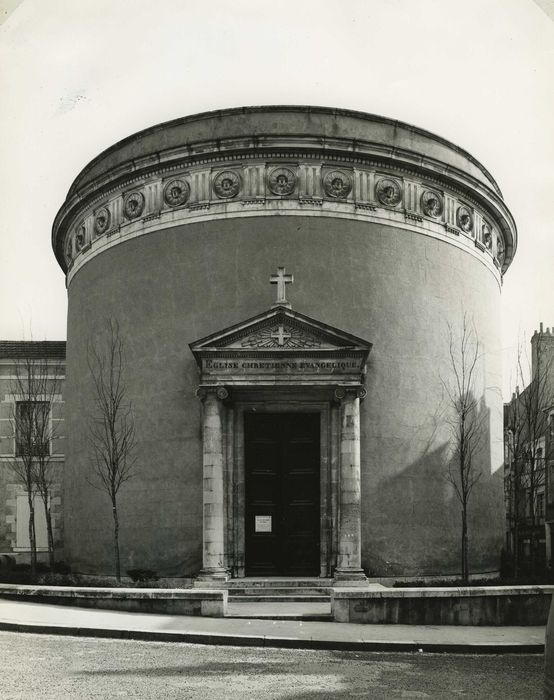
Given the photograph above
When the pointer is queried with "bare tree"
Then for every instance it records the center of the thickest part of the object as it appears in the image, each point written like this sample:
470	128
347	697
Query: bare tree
526	425
35	386
112	430
466	425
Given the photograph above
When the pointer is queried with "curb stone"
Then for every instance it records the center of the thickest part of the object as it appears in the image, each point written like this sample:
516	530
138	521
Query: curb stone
273	642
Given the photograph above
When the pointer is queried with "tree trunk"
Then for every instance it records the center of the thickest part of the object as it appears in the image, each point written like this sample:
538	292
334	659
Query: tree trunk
465	568
32	534
516	549
51	557
116	541
45	497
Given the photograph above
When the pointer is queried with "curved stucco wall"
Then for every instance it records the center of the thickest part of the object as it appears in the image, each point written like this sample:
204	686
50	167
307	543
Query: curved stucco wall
172	264
395	289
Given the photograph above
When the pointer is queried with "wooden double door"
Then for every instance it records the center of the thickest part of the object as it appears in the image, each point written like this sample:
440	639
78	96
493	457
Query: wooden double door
282	473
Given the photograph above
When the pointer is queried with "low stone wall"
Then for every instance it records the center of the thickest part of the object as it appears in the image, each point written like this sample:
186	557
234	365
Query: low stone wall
171	601
487	605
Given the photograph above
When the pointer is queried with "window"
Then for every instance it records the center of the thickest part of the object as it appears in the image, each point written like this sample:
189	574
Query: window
22	523
32	428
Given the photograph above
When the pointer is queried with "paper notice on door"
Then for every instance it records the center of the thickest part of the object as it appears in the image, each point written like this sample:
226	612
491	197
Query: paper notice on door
262	523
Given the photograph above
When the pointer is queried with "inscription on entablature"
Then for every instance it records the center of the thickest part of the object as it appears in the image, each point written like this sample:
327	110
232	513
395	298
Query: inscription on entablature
284	365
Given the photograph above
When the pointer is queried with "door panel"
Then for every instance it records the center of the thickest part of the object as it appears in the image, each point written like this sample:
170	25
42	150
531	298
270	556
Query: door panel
282	456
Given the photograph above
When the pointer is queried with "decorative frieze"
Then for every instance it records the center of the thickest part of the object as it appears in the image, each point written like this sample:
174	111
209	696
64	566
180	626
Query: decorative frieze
366	207
452	229
281	336
267	185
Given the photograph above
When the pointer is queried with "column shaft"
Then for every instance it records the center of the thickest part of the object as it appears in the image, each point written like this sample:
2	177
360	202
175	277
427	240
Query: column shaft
213	565
349	548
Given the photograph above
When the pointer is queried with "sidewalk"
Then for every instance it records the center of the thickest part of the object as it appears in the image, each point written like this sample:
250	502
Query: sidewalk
61	619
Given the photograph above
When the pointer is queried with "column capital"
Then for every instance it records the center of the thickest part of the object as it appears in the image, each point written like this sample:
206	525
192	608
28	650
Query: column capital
217	390
346	391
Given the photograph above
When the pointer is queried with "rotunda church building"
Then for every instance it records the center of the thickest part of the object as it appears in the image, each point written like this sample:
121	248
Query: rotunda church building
287	283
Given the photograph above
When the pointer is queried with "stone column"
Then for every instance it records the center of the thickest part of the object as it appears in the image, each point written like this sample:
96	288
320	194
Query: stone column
349	569
213	533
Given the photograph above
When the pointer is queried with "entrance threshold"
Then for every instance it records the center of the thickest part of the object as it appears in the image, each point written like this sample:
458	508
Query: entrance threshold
314	612
280	598
279	581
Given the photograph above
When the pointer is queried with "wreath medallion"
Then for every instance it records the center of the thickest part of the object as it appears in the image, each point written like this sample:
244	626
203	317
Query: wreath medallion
176	193
133	205
227	184
486	236
464	219
102	221
389	192
80	238
282	181
337	184
432	204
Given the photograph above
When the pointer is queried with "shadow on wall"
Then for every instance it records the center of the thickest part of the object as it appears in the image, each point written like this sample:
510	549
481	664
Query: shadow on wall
417	515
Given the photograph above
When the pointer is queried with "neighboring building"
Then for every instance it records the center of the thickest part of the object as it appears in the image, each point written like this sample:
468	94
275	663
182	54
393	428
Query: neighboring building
529	462
270	441
41	361
549	513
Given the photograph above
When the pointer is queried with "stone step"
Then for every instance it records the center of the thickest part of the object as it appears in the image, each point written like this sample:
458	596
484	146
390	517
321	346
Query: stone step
274	591
320	611
306	617
279	582
275	598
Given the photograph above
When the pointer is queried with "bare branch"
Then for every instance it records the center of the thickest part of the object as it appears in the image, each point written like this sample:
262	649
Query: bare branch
35	387
111	429
466	422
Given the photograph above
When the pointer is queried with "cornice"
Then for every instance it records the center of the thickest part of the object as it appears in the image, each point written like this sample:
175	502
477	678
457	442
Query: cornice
219	118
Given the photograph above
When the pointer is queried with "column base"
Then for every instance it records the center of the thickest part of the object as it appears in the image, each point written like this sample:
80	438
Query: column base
350	577
215	575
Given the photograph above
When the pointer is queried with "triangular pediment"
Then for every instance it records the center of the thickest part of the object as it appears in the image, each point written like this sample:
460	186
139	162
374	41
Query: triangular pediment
280	330
281	347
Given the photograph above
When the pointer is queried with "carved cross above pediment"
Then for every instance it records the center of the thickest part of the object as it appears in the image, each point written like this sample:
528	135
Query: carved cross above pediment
281	279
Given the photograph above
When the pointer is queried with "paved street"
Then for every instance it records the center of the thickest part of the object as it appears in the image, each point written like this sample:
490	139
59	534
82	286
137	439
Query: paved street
44	666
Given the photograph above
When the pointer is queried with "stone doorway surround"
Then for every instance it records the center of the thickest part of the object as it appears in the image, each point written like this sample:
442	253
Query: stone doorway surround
281	361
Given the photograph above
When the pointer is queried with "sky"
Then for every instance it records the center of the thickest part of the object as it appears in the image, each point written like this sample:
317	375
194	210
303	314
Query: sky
77	76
